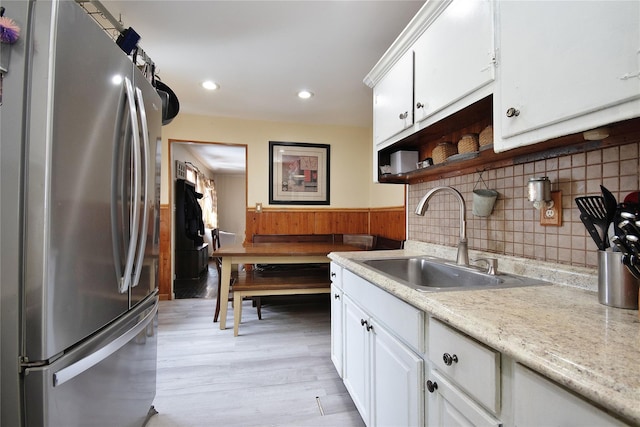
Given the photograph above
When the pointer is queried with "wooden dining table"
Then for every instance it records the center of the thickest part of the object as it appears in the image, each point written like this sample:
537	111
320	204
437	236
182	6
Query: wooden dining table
270	253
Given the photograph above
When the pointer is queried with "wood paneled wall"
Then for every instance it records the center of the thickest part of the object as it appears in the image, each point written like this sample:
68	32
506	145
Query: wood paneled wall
387	222
164	269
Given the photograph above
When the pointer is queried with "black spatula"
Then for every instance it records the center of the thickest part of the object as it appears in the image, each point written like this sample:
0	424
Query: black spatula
593	210
610	205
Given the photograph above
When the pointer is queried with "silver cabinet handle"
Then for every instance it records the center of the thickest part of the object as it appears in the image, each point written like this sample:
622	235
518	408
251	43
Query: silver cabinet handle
336	296
404	115
420	105
512	112
432	386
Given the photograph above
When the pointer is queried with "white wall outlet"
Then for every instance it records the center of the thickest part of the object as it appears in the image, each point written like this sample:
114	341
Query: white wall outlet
552	215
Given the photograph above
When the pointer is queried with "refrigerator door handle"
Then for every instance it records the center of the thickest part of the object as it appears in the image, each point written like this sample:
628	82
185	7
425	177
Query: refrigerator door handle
86	363
145	173
125	280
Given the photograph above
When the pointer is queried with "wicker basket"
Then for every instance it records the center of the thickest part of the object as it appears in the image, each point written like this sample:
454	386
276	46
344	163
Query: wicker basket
442	151
468	143
486	136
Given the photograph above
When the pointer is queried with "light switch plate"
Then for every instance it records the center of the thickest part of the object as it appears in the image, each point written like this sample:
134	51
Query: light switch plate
553	215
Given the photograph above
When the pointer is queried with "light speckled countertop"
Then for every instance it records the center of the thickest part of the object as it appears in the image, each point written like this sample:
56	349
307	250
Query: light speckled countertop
563	332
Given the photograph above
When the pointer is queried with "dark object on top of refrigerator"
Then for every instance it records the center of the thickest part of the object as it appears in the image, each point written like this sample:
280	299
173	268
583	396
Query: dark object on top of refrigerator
128	40
79	249
170	103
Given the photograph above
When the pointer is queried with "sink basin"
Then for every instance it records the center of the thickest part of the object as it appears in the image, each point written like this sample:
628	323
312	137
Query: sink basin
432	274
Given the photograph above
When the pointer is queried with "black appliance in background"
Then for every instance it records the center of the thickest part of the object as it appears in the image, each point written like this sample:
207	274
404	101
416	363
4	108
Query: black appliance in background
192	253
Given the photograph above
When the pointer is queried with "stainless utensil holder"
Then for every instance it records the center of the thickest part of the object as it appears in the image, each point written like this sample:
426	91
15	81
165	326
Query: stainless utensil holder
616	285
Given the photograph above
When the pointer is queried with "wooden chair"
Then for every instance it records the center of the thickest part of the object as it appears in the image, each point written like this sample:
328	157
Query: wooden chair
215	236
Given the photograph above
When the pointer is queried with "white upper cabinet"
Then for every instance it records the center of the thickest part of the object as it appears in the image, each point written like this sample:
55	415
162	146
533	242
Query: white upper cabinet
564	67
393	100
454	57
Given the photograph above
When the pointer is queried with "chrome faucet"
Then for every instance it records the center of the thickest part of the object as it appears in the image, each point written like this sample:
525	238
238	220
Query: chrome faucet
463	253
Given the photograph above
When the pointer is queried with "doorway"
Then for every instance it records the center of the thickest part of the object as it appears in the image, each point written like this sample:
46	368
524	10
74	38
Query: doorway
224	166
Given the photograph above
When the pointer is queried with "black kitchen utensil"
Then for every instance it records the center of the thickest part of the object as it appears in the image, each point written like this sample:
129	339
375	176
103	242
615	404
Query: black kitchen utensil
170	103
593	208
610	205
629	258
588	223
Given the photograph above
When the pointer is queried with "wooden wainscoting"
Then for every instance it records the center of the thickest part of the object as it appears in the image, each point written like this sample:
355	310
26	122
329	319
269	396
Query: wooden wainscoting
164	269
387	222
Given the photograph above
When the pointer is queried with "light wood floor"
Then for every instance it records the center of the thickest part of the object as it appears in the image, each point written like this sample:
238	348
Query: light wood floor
278	372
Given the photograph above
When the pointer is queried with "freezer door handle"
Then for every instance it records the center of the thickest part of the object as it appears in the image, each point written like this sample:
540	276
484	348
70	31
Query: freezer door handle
145	174
86	363
125	280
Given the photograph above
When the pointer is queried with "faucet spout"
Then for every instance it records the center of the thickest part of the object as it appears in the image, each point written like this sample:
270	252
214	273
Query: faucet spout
463	253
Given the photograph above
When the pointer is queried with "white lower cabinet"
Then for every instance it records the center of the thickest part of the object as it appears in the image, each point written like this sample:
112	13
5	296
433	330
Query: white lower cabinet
396	381
382	373
449	406
378	346
336	317
540	402
356	361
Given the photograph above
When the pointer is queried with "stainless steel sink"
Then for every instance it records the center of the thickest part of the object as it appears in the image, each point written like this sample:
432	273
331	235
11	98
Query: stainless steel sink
433	274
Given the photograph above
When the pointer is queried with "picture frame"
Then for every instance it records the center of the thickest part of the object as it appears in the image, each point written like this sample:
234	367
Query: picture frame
299	173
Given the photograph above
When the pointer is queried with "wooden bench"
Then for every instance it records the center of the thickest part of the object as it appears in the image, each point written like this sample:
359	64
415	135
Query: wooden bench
295	279
281	279
294	282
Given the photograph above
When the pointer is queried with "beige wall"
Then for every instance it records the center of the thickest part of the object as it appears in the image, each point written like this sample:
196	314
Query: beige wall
351	151
230	190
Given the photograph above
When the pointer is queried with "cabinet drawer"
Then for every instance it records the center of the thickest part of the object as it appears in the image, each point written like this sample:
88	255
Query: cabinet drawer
405	321
538	401
473	366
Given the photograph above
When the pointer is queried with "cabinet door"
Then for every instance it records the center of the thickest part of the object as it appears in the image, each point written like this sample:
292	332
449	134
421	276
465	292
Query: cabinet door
538	401
336	327
565	67
393	100
454	56
451	407
356	362
397	374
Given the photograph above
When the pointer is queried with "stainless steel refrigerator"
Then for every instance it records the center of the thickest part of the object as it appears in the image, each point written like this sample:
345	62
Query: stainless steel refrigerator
79	169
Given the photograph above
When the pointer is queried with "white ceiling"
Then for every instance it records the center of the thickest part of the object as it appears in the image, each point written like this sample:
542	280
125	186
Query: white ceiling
263	52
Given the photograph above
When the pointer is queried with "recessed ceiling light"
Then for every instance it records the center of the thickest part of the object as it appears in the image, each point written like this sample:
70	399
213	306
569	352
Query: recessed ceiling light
305	94
209	85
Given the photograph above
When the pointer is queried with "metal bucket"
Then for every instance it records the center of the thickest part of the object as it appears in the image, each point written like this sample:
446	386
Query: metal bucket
616	285
483	201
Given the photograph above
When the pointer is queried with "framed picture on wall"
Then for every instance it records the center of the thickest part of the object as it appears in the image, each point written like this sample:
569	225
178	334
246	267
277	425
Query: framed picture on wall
298	173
